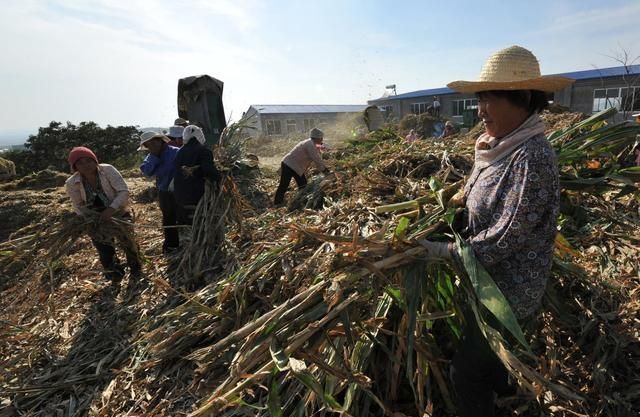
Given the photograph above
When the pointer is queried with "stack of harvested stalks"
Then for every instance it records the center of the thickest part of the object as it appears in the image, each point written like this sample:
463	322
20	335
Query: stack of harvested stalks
343	315
49	243
320	347
221	205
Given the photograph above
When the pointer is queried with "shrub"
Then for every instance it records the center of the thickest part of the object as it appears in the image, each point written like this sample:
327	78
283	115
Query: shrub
51	145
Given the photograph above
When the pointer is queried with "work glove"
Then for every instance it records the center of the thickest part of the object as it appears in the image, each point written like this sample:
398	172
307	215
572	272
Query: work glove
436	250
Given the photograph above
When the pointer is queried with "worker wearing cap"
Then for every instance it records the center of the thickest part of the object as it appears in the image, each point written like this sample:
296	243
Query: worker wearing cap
297	161
181	122
175	135
160	163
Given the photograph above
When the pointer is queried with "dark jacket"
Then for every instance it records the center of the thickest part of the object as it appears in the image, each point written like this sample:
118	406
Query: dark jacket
188	189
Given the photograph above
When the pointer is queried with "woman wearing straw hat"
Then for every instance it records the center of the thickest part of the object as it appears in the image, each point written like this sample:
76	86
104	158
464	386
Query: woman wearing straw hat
160	163
512	202
100	188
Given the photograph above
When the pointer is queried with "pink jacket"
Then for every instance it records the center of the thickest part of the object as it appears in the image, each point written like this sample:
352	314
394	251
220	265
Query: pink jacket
112	184
302	155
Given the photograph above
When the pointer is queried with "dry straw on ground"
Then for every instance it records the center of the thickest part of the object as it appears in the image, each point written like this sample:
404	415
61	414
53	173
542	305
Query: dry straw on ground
332	309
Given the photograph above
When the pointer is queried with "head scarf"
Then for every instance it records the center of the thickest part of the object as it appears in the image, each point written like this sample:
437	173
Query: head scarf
80	152
191	132
490	150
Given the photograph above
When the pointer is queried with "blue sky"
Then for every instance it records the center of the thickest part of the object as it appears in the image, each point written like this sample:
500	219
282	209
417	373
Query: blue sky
118	61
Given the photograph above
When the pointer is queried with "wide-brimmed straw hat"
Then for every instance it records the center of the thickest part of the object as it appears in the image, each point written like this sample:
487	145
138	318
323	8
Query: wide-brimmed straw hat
512	68
147	136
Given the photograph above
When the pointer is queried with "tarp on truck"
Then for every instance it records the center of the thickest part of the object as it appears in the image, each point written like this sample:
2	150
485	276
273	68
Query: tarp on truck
200	102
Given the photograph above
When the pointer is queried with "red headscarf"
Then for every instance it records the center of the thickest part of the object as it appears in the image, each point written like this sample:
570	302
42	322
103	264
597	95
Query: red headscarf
80	152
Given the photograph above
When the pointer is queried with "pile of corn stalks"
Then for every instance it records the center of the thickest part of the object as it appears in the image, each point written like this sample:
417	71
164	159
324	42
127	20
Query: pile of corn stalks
50	241
345	317
334	310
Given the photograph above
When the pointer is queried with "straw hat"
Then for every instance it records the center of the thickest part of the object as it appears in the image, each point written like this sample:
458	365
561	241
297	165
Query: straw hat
513	68
147	136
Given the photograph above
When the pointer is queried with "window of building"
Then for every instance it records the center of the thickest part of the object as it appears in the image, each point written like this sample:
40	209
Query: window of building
630	99
274	127
605	98
309	124
418	108
291	126
388	110
624	99
460	105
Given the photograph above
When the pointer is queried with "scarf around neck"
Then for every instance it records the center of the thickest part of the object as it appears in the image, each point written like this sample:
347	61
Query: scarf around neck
490	150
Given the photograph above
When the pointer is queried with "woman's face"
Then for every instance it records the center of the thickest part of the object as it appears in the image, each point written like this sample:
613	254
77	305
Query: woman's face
86	166
499	115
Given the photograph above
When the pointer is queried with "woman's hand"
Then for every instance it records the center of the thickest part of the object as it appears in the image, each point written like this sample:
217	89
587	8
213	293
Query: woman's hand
437	250
107	213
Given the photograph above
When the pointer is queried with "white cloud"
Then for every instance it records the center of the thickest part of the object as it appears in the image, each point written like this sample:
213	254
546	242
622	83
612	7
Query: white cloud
112	62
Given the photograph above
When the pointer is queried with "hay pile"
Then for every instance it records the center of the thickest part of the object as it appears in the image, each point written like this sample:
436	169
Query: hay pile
332	309
7	169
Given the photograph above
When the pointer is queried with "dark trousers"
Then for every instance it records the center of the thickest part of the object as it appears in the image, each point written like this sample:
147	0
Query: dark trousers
286	174
169	210
477	373
107	253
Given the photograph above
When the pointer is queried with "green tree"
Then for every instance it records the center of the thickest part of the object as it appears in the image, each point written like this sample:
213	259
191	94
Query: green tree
50	147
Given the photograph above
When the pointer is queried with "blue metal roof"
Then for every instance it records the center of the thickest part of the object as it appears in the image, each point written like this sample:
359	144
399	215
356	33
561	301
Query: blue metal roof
600	73
576	75
308	108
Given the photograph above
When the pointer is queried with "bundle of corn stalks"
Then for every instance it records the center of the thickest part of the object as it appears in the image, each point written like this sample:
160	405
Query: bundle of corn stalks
49	243
221	205
360	324
335	310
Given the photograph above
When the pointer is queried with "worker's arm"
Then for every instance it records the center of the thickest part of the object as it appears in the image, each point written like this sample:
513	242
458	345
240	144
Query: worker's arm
75	196
119	185
314	154
150	165
207	167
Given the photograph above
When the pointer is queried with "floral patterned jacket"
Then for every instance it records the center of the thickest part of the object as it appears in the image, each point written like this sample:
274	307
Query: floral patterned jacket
512	211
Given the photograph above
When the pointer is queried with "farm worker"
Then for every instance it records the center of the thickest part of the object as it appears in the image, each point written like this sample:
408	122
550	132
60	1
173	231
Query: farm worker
181	122
160	163
194	164
448	129
296	163
100	188
175	135
512	198
412	136
436	107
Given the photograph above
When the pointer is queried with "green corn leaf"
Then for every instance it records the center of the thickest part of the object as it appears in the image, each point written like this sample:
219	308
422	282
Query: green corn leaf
300	371
273	400
278	355
401	229
488	292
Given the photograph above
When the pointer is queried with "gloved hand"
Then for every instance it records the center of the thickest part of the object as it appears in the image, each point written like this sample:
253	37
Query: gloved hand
437	250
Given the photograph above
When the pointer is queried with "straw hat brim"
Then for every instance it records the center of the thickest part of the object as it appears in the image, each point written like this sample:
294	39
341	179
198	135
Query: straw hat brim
547	83
164	138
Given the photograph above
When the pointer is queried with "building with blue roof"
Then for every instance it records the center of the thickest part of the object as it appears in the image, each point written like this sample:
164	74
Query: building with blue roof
594	90
281	120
